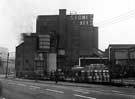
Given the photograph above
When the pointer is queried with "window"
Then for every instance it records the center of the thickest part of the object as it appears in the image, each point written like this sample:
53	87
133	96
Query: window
86	17
79	17
87	23
91	22
80	22
83	17
83	22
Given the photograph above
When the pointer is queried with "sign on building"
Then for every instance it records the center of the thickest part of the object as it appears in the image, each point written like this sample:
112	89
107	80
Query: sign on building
44	42
121	55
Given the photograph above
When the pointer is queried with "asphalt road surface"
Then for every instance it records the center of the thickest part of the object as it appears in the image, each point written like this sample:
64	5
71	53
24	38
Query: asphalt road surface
13	89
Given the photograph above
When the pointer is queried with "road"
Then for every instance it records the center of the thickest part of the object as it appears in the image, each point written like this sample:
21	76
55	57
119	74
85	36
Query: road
13	89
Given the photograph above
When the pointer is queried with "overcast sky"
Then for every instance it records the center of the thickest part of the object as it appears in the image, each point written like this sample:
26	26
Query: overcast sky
115	18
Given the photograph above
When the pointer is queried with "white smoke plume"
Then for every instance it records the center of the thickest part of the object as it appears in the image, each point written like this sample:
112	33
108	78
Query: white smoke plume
20	15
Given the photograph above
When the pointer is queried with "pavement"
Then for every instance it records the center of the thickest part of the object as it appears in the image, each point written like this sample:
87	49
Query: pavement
59	83
29	89
126	83
130	82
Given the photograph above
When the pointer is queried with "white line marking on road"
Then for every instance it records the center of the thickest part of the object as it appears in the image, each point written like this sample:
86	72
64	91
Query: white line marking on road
11	83
84	92
133	96
41	84
34	87
83	96
54	90
59	86
21	84
115	91
96	91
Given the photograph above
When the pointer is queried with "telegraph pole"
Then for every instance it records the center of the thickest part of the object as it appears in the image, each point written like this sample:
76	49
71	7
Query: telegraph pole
7	65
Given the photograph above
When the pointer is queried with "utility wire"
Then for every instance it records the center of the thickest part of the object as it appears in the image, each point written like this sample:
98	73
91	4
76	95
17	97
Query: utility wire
117	19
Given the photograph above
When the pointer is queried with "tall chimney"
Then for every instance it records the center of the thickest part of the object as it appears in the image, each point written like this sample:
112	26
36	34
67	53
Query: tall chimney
62	28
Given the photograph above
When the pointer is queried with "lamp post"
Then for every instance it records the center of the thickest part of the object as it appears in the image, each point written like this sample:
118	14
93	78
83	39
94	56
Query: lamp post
7	65
110	53
110	64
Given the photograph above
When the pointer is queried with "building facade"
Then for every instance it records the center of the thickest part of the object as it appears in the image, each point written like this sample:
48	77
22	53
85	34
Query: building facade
76	35
64	38
35	56
3	59
25	55
121	59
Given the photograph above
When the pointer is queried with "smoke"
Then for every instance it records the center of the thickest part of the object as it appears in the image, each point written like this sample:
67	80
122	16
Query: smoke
22	35
21	17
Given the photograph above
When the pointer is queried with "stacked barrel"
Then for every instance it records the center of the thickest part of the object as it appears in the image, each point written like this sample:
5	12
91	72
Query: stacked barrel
97	73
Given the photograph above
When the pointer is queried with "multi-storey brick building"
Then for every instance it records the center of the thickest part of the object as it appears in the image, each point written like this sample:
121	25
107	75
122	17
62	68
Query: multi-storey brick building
36	55
25	55
76	35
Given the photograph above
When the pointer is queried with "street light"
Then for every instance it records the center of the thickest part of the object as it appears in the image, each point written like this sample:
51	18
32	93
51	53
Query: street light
110	63
7	65
109	53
